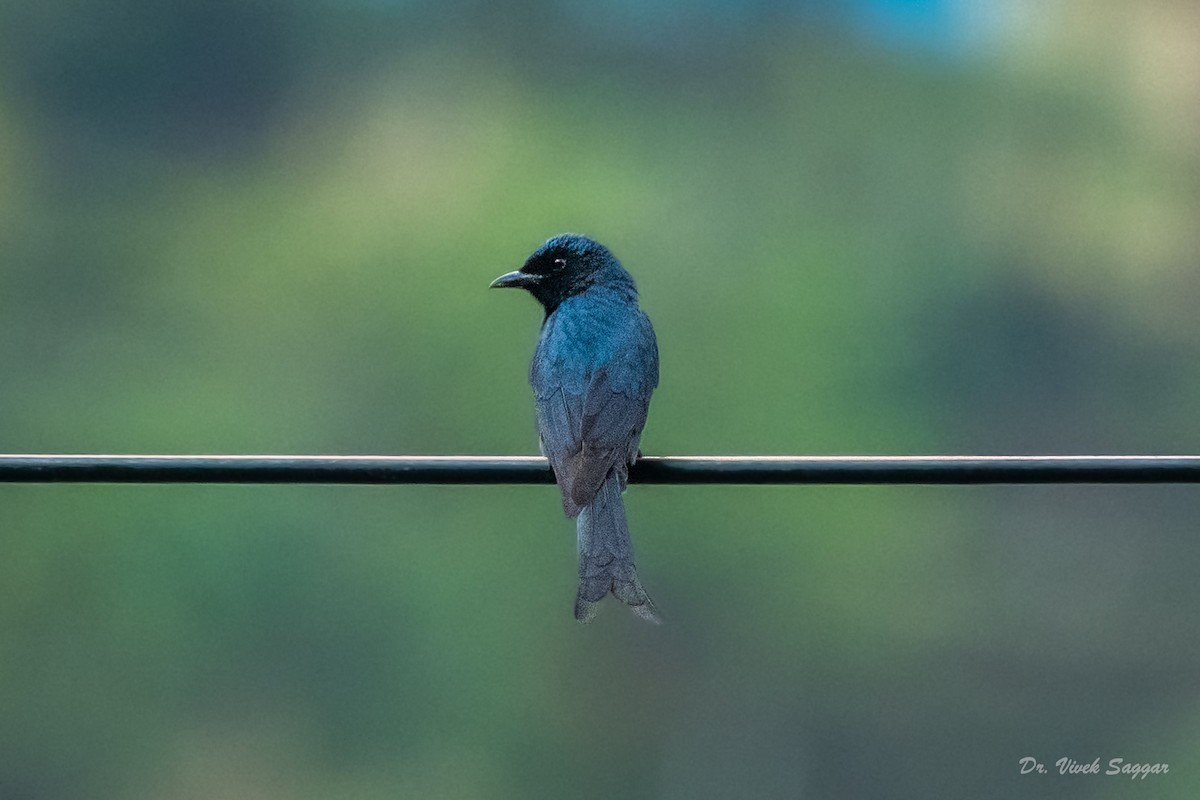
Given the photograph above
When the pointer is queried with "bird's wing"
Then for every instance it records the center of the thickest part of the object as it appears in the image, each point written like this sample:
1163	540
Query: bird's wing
585	435
586	432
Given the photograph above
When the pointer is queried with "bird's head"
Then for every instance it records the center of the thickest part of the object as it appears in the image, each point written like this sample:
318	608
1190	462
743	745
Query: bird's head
563	267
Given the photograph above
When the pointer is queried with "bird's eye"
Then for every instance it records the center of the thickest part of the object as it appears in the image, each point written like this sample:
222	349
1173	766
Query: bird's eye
560	263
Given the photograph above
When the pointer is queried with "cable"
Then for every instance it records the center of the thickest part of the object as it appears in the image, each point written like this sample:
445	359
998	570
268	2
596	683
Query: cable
261	469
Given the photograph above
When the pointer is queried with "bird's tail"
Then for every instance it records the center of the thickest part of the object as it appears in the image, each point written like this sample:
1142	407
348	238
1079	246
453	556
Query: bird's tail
606	556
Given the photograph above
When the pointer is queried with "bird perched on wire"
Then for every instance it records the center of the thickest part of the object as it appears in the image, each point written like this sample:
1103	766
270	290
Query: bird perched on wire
593	371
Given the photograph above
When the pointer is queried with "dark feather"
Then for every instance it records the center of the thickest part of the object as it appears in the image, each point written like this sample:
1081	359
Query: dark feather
593	372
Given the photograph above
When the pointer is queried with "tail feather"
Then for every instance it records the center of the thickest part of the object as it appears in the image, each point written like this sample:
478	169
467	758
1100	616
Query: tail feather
606	556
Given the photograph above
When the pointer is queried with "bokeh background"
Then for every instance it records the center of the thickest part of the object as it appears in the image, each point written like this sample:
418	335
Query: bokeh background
863	227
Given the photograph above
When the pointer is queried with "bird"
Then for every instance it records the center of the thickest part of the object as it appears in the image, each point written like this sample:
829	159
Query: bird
593	371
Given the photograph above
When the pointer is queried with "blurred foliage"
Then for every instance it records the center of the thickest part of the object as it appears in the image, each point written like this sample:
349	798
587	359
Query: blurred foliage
269	227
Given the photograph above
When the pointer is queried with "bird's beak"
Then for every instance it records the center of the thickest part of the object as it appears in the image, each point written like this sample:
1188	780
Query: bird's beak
514	280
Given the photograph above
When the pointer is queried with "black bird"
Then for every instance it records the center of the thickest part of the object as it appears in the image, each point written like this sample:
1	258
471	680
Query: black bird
593	371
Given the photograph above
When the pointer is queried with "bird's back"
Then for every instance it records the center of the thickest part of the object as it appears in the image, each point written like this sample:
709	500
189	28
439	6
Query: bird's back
593	372
599	329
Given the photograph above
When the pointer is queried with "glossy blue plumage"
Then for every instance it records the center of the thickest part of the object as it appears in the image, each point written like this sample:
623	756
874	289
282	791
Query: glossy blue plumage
594	369
593	372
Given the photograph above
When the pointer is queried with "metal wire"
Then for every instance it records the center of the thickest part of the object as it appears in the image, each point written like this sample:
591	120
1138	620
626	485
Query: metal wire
650	469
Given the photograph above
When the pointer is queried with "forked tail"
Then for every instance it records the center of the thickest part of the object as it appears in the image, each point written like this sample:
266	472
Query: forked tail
606	556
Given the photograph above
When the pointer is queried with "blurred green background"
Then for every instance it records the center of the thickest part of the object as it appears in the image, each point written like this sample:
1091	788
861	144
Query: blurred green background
875	227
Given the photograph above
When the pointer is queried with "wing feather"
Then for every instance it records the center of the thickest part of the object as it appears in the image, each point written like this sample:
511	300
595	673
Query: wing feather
586	434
